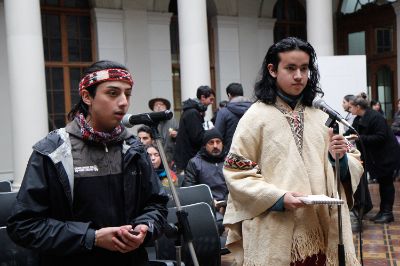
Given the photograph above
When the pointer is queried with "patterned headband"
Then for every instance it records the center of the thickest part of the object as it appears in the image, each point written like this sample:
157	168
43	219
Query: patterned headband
105	75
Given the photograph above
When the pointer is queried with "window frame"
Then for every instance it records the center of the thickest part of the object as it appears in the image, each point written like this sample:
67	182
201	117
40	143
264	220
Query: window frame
65	64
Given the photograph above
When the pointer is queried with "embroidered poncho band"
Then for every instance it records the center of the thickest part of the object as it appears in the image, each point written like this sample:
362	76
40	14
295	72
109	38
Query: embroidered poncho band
111	74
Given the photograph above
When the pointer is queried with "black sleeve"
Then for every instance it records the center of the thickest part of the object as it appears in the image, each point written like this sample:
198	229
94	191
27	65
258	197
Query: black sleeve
190	175
194	128
220	123
30	224
396	125
154	212
379	130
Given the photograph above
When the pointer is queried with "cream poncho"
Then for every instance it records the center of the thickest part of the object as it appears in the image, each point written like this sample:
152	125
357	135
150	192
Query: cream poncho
268	157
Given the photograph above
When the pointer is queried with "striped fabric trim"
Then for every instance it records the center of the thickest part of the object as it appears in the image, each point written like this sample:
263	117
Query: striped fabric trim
237	162
295	119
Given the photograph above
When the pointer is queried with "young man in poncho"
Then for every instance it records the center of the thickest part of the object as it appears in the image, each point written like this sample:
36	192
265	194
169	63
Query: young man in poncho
282	149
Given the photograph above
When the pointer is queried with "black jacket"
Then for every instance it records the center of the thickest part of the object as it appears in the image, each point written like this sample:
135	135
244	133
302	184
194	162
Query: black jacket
43	218
396	124
228	118
207	169
382	152
190	134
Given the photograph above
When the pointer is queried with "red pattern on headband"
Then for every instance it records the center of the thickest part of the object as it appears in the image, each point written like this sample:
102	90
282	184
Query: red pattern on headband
105	75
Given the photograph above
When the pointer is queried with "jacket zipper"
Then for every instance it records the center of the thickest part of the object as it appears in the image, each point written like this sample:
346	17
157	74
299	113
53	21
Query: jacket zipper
105	147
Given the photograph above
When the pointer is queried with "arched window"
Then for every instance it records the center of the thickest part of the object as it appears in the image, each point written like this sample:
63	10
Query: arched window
290	20
68	49
384	84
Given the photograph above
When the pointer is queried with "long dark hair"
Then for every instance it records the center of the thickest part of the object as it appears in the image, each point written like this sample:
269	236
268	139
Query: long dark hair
81	106
265	89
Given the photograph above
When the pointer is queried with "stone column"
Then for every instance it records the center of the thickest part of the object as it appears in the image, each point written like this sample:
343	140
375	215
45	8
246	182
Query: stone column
27	80
110	34
193	46
160	56
320	26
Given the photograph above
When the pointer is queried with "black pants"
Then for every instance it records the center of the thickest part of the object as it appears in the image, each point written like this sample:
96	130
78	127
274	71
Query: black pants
386	193
362	197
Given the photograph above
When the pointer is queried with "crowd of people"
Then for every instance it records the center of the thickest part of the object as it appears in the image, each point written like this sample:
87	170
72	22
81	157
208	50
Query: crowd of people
94	194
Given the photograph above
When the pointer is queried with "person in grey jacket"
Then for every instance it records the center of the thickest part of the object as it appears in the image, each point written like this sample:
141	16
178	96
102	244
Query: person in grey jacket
229	116
90	195
167	129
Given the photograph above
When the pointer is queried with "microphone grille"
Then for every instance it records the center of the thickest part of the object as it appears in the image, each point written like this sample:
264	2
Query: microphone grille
317	103
125	121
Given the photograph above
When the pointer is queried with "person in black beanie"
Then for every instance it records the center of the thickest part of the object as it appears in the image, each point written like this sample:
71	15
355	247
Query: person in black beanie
206	166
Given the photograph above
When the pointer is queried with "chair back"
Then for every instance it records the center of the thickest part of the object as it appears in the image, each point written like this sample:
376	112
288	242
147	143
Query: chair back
7	200
206	239
5	186
193	194
14	255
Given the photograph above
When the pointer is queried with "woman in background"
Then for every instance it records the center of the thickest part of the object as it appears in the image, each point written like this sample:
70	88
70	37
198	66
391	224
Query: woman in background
396	121
376	105
155	158
396	131
382	154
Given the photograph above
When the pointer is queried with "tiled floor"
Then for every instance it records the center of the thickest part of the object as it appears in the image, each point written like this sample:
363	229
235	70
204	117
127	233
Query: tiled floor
381	243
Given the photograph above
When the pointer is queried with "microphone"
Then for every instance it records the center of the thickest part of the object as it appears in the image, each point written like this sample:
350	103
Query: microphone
149	119
322	105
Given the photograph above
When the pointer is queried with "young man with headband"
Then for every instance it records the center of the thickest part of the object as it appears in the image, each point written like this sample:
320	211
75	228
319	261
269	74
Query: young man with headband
90	195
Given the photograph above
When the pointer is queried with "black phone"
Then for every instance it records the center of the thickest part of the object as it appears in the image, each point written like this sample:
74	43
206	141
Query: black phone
134	232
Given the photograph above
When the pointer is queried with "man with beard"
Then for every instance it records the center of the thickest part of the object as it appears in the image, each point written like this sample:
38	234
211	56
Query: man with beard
206	166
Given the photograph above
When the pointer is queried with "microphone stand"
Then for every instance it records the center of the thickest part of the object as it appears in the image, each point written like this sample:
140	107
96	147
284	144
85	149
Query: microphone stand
183	223
341	255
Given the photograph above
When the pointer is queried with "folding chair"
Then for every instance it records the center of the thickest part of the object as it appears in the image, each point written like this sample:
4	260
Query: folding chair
206	239
7	200
5	186
200	193
193	194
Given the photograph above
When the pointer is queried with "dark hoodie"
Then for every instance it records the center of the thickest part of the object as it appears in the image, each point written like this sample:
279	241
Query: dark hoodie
190	134
229	116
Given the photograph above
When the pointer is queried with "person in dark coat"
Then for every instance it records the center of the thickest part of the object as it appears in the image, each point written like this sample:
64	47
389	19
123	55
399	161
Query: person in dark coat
376	105
206	166
221	105
188	141
90	195
396	122
381	155
228	117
